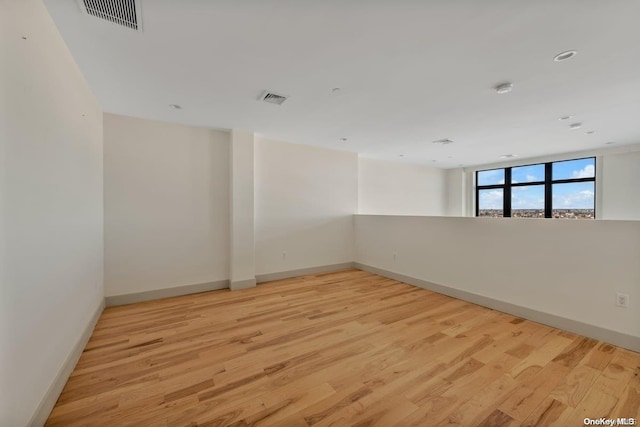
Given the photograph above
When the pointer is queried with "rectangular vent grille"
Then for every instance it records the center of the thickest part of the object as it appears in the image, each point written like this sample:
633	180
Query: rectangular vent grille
444	141
272	98
121	12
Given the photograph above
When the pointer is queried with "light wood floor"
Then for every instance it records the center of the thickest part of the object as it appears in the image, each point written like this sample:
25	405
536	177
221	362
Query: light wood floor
347	348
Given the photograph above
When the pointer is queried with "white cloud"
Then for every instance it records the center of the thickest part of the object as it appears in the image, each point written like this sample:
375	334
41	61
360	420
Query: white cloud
531	178
491	199
527	197
579	200
489	177
589	171
527	203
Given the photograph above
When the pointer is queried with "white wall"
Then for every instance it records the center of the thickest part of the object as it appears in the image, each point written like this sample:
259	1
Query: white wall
393	188
305	198
571	269
166	205
50	207
242	243
620	176
455	189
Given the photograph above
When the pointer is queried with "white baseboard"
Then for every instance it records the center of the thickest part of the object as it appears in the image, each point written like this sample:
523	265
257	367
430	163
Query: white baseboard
236	285
165	293
261	278
50	398
221	284
592	331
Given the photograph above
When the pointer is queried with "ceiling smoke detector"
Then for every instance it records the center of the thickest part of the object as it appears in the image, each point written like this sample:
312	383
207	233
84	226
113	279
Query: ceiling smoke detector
504	88
443	141
126	13
563	56
272	97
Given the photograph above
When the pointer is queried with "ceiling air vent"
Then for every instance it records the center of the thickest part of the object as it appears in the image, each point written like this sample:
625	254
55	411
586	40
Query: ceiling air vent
272	98
119	12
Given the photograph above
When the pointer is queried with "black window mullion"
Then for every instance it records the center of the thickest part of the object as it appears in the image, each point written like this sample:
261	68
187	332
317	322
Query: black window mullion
506	194
490	187
527	184
477	196
571	180
548	195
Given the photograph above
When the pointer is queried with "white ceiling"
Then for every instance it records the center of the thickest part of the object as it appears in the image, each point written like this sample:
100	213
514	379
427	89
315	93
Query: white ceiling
410	72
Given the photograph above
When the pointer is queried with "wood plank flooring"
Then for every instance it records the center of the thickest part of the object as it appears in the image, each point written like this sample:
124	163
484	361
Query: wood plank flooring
340	349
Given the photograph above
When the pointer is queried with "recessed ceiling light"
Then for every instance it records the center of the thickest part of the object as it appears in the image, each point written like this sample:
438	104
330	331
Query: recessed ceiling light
508	156
504	88
563	56
343	139
590	132
443	141
564	117
574	126
175	106
609	143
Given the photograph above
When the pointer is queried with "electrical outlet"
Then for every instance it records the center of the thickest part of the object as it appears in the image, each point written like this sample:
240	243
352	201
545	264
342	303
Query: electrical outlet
622	300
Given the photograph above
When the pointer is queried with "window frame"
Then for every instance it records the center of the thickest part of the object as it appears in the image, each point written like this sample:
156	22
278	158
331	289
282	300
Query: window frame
548	182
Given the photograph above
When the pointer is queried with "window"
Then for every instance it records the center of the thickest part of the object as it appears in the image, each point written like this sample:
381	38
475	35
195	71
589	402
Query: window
564	189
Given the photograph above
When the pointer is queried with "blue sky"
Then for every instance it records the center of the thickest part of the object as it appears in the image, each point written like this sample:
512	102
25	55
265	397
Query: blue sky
565	196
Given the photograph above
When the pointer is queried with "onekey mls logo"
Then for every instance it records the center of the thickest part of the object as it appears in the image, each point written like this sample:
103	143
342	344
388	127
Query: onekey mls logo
610	421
